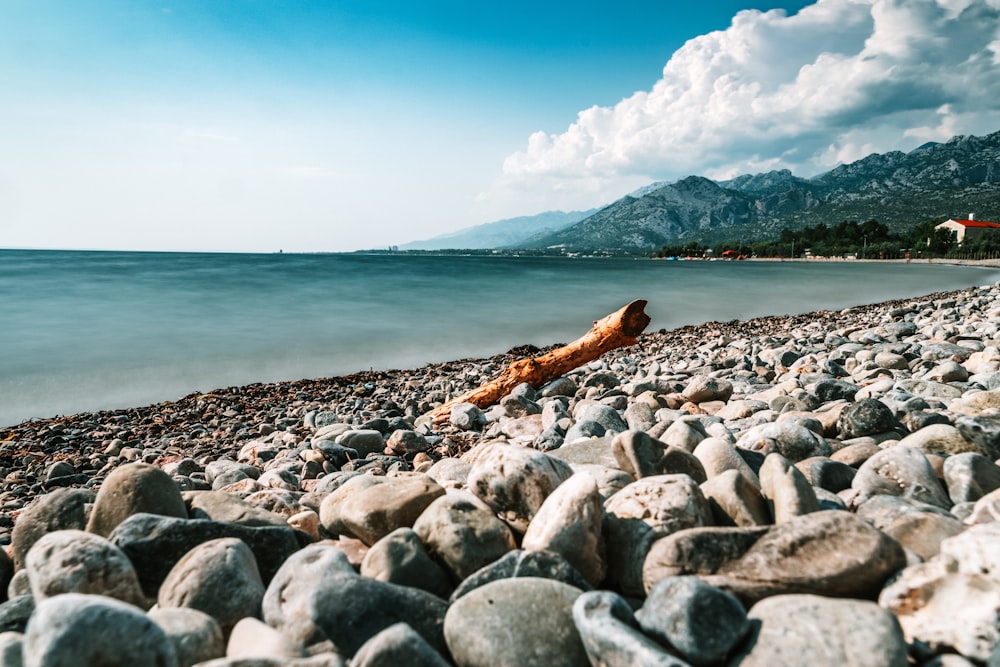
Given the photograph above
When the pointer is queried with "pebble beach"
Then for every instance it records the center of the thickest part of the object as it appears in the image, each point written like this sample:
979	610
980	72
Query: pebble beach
813	489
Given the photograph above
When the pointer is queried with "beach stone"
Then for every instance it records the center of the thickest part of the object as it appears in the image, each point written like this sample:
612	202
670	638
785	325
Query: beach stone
330	507
72	561
398	644
604	415
570	523
62	509
882	511
970	476
20	584
406	441
219	467
865	417
219	577
982	430
521	563
15	612
609	480
336	455
831	475
611	635
450	473
700	622
592	451
790	439
735	501
195	635
463	533
704	388
561	386
513	622
985	510
251	638
638	454
401	558
639	416
856	454
900	471
717	456
786	488
220	506
132	489
741	409
77	629
928	388
833	390
514	481
467	417
923	532
317	596
363	441
823	553
823	632
684	434
11	649
942	439
584	430
372	513
155	544
642	512
892	361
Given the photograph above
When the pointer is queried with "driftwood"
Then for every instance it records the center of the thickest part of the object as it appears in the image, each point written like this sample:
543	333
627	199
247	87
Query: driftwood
619	329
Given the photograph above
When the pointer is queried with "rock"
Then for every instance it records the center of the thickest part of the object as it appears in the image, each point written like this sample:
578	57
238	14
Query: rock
793	441
405	441
515	481
401	558
982	430
12	649
195	635
520	563
398	644
823	553
823	632
735	501
72	561
363	441
220	506
76	629
316	596
218	577
942	439
717	456
787	489
642	512
132	489
639	416
832	390
856	454
250	638
62	509
700	622
609	480
611	636
684	434
372	513
900	471
866	417
638	454
463	533
15	612
704	388
831	475
330	508
970	476
570	523
522	621
467	417
923	532
155	544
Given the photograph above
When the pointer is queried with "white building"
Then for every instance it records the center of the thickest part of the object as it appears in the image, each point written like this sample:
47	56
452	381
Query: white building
971	229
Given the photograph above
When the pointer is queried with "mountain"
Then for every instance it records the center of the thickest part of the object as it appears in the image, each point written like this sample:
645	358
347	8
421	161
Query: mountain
935	180
502	233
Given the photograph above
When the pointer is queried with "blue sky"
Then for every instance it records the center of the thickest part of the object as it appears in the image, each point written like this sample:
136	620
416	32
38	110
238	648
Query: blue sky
311	126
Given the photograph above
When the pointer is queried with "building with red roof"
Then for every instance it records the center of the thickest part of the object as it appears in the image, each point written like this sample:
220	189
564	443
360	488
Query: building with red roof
970	229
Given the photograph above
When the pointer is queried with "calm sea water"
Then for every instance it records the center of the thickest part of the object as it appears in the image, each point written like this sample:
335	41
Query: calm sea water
100	330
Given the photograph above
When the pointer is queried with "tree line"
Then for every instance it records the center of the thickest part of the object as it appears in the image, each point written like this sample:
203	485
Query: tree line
867	240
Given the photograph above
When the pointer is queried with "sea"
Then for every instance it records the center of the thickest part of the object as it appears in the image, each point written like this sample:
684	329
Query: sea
87	331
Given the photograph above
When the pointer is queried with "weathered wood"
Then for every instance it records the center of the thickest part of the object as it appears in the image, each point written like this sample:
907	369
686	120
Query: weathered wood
619	329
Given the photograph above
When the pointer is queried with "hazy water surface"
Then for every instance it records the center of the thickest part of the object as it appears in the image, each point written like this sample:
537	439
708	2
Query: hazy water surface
99	330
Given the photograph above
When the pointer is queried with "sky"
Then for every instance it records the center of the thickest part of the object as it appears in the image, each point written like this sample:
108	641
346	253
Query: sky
337	125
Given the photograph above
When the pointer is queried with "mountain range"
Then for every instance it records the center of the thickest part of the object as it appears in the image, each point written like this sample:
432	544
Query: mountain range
935	180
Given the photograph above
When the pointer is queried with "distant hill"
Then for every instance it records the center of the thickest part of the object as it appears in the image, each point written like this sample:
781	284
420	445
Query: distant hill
502	233
935	180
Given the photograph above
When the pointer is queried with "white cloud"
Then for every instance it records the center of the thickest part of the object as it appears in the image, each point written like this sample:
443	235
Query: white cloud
833	83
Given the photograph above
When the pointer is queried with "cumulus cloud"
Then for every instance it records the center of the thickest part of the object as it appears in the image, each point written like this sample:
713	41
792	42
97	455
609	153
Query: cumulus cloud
836	81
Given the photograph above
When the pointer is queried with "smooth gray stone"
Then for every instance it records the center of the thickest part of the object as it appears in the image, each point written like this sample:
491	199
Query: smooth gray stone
15	612
788	438
63	509
221	506
317	596
703	388
220	467
132	489
970	476
702	623
467	417
582	429
833	476
196	636
514	622
397	645
983	430
823	632
11	649
639	416
882	511
336	454
520	563
865	417
364	442
76	629
611	635
900	471
735	501
638	454
218	577
401	558
155	544
832	390
604	415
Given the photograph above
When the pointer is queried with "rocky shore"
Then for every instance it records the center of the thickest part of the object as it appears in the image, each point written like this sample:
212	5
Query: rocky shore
815	489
